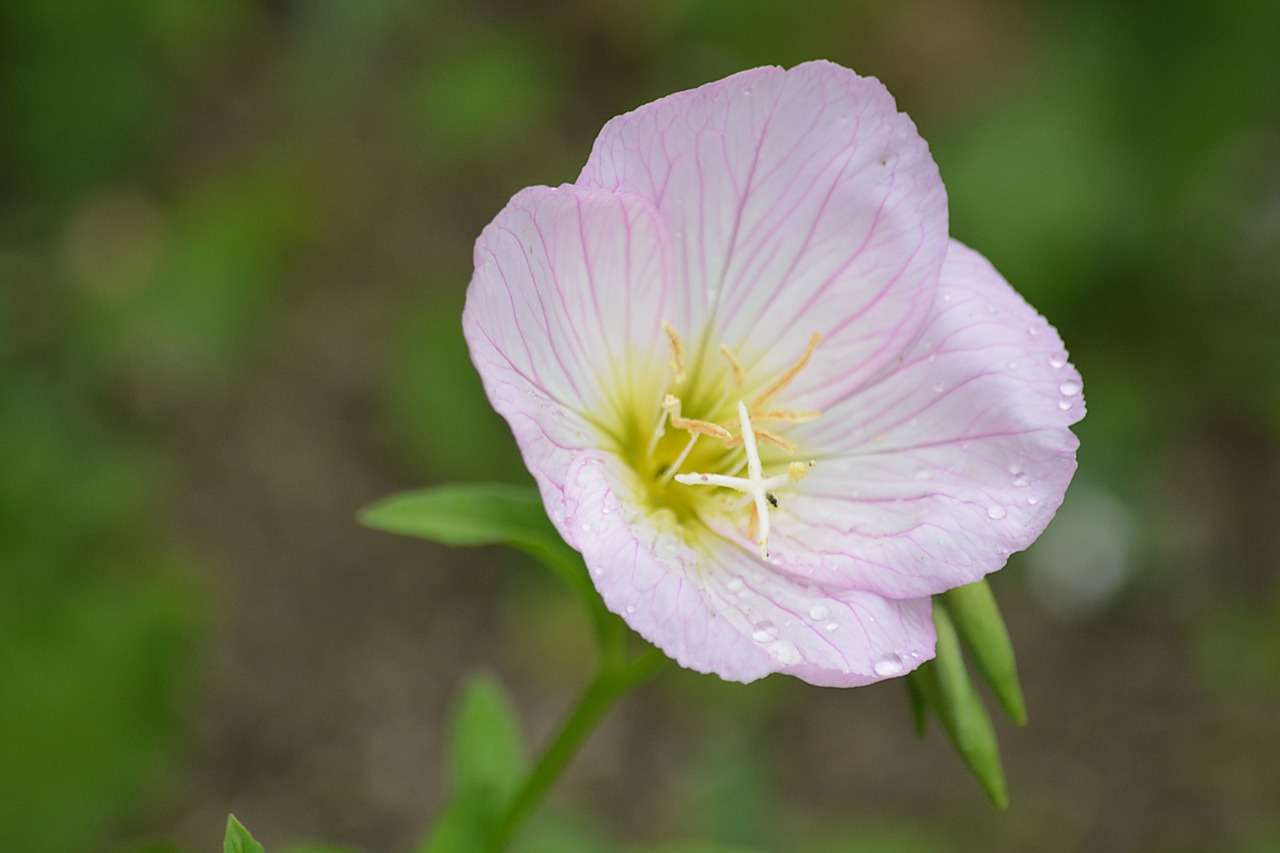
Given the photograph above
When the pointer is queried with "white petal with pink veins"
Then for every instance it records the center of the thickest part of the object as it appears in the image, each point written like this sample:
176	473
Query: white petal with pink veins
714	607
798	201
955	457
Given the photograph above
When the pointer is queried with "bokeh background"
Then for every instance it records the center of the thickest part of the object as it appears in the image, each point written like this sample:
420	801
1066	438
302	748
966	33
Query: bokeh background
234	241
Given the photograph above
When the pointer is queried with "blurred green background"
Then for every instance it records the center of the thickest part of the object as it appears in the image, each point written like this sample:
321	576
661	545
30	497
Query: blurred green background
234	241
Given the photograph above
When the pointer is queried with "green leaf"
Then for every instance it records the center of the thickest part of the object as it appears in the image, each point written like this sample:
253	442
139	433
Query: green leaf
950	693
486	767
976	617
238	839
486	749
919	697
486	514
465	514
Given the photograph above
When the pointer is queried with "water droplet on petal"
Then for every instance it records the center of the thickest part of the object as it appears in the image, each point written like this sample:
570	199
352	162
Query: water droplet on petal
888	665
765	632
631	608
991	309
735	585
1033	501
586	527
1021	481
784	652
996	512
1033	330
1058	359
946	297
1013	365
819	612
1070	388
1064	404
933	356
832	626
937	387
923	474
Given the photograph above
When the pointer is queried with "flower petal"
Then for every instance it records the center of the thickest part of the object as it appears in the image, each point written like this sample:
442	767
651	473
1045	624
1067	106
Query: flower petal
569	293
714	607
955	457
563	317
798	201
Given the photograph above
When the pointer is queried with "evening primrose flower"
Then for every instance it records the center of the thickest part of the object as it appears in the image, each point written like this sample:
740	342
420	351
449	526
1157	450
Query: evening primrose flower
761	391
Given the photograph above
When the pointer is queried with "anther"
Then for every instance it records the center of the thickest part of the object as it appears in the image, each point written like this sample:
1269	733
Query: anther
787	375
734	366
672	406
677	351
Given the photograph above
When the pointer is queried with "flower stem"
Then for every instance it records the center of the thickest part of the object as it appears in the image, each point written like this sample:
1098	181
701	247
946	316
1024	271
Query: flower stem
615	677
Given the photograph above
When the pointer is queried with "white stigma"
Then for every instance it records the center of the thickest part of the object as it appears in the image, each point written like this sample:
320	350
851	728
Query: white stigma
755	484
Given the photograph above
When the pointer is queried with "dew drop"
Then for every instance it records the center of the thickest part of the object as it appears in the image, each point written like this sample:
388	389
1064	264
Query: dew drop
888	665
1033	501
996	512
598	571
923	474
1032	331
631	608
784	652
946	297
1058	359
819	612
1021	481
1070	388
832	626
765	632
1013	365
735	585
1064	404
933	356
586	527
991	309
937	387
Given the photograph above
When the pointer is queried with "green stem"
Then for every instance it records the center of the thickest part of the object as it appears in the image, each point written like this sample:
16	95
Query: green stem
615	678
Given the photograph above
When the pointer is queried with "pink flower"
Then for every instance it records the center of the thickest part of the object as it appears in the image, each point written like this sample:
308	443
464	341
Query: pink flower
764	394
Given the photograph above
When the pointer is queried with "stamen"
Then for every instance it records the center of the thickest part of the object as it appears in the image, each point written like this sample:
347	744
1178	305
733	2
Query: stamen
797	471
684	454
755	484
677	351
672	406
786	416
787	375
733	366
660	430
765	435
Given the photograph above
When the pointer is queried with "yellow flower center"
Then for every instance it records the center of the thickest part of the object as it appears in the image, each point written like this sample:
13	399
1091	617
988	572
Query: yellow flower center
715	447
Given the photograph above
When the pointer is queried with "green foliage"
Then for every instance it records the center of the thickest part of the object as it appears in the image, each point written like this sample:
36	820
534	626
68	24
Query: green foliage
486	766
944	685
238	839
977	620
